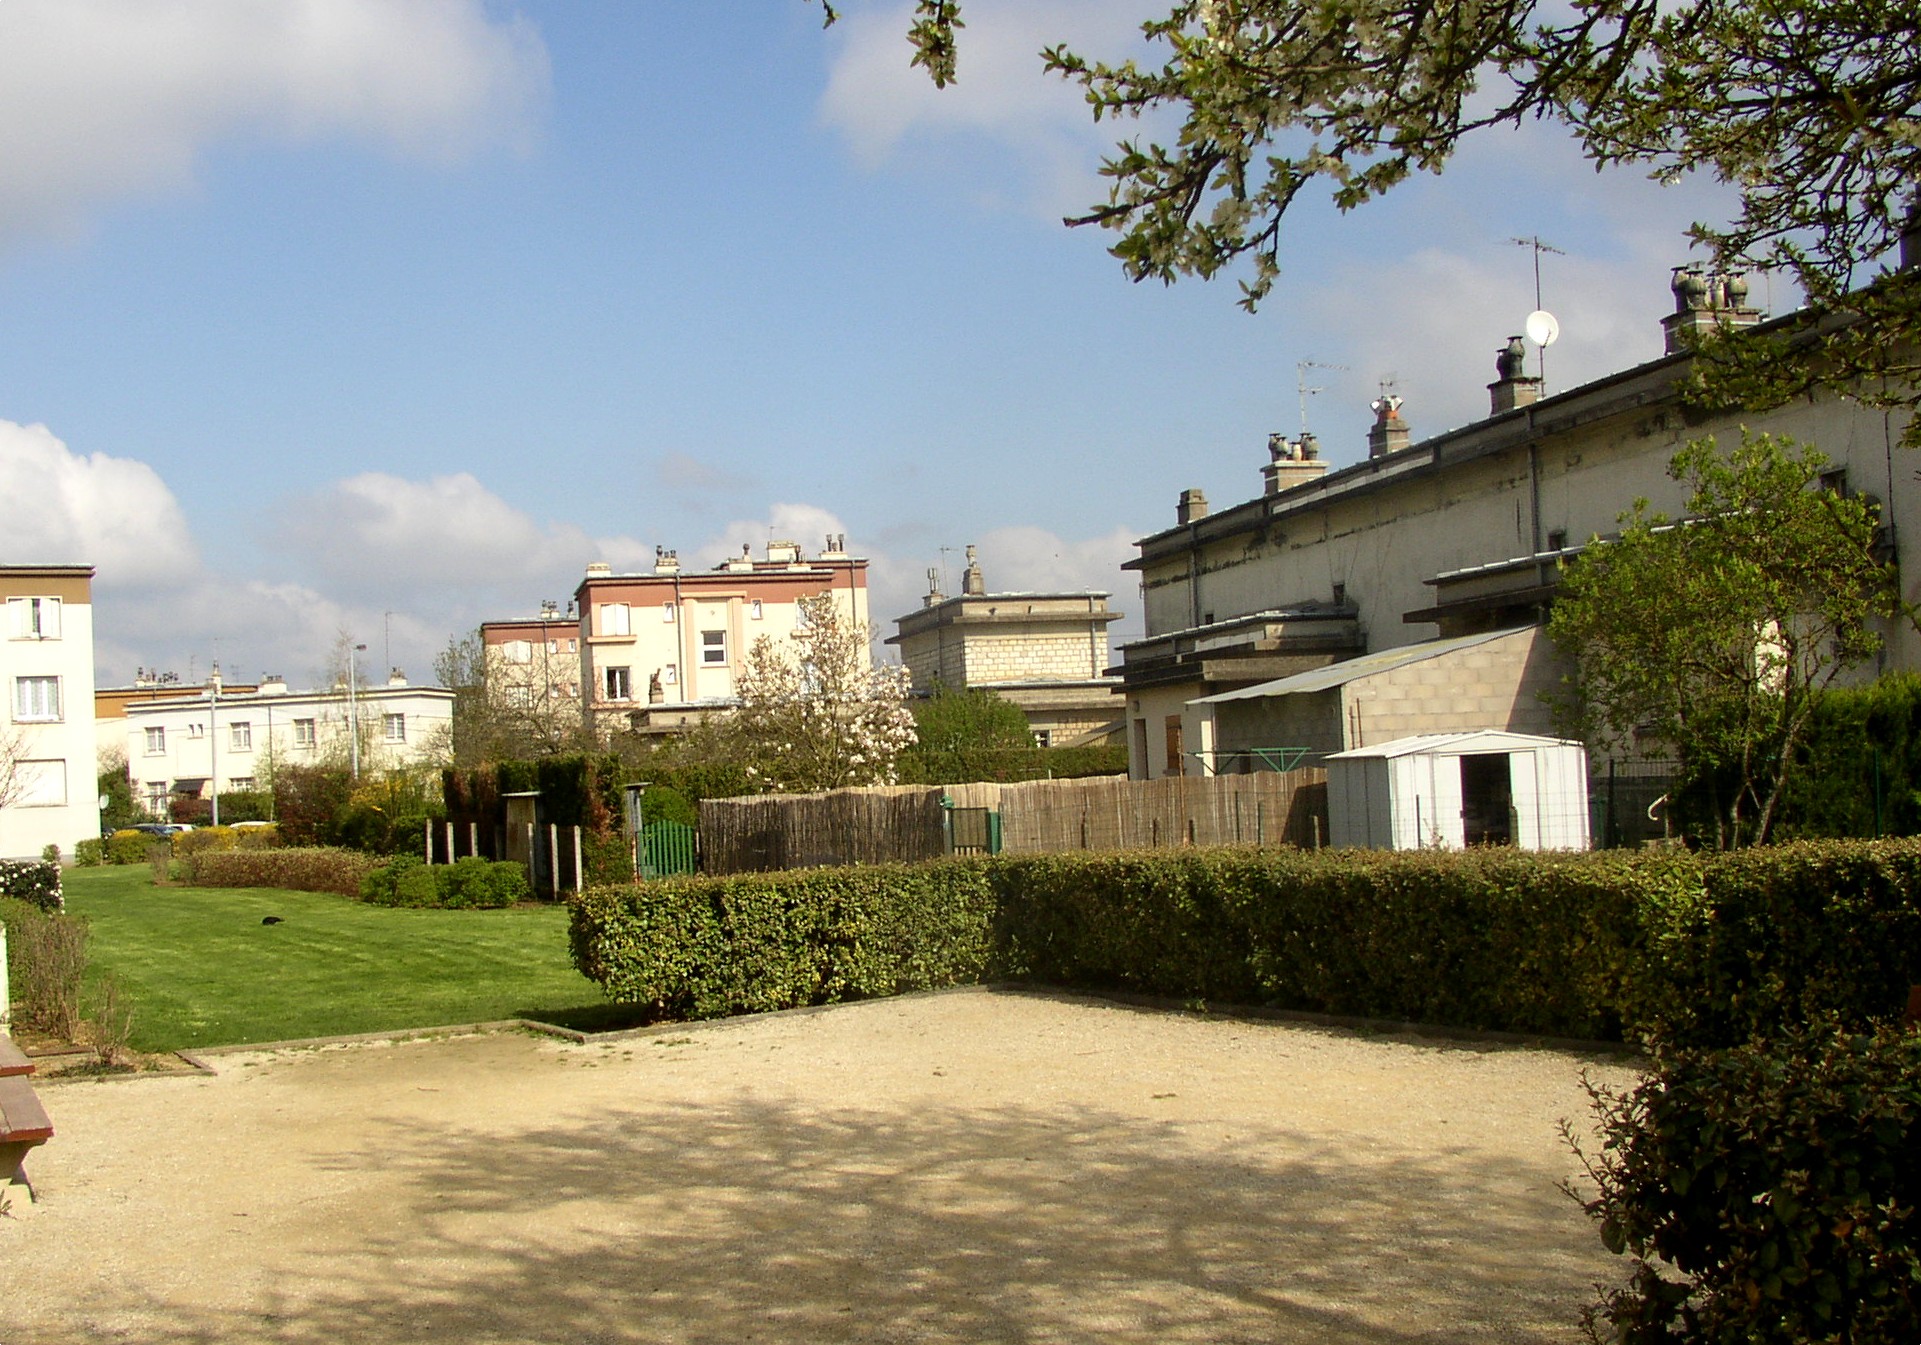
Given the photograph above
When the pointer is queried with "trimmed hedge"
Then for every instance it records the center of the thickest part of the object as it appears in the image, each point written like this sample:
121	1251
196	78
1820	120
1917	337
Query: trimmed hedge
296	868
466	884
706	948
1689	949
130	847
36	882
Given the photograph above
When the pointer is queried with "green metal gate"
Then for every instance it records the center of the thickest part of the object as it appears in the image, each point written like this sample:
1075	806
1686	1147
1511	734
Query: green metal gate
666	848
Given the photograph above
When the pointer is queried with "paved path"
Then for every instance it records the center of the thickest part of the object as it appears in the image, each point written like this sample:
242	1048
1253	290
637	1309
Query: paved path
968	1166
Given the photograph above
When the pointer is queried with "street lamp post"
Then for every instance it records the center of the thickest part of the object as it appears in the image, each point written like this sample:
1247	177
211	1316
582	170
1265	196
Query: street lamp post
353	710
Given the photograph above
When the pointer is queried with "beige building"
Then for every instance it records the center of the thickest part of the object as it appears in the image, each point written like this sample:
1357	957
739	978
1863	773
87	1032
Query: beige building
1045	652
534	672
660	651
48	766
216	738
1458	534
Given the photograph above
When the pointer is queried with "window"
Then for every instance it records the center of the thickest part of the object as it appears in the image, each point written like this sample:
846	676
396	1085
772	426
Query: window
43	784
156	742
670	674
240	736
33	618
614	619
394	728
518	651
157	797
196	731
1043	738
667	612
713	648
243	784
619	683
303	733
1557	539
755	610
36	699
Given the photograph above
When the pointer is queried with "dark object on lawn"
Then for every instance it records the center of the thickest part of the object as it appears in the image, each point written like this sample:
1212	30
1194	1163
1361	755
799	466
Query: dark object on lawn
269	919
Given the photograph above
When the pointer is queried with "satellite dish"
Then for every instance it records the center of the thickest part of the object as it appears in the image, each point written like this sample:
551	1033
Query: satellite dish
1542	328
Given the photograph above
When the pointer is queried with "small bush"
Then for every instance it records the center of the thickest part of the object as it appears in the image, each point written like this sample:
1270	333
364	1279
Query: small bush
37	883
467	884
90	852
128	847
202	839
47	965
296	868
1779	1180
257	838
50	853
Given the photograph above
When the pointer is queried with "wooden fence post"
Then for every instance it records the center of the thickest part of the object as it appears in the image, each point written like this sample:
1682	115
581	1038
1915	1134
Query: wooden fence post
579	881
553	858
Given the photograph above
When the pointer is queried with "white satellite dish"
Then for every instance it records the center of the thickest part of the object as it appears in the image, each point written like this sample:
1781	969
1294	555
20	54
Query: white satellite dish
1542	327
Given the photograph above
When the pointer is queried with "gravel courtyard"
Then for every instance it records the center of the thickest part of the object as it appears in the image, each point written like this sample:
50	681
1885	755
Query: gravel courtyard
975	1165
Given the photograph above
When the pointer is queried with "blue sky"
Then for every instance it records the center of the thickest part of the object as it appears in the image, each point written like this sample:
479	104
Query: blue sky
388	316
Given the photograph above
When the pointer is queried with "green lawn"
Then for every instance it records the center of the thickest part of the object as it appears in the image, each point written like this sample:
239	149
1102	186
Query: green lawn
200	969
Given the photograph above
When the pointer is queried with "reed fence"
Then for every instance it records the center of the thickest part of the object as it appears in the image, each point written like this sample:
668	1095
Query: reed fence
890	823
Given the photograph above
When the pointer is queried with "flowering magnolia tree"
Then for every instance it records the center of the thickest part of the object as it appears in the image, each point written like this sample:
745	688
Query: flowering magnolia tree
815	713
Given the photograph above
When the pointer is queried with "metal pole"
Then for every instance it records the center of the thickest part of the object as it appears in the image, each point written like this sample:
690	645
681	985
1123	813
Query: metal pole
353	710
213	739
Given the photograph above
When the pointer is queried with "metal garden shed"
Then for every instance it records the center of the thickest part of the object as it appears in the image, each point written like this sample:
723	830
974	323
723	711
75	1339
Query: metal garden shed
1450	790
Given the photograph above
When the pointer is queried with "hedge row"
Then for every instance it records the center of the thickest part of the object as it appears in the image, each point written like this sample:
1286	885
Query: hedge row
470	883
36	882
1688	949
298	869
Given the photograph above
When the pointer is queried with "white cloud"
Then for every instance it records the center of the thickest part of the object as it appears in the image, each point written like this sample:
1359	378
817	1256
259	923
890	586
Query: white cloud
370	530
885	107
62	508
106	99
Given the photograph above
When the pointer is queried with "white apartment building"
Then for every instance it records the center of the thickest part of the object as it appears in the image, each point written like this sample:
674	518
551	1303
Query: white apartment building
48	772
215	740
658	651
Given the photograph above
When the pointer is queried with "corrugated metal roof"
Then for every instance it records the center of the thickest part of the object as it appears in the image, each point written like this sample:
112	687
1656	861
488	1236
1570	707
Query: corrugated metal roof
1367	665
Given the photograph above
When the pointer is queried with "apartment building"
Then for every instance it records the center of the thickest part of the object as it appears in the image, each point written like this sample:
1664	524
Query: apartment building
660	651
216	738
48	793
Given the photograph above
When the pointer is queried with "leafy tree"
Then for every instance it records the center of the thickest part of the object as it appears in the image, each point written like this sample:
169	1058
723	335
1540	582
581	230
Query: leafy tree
1806	107
814	713
1713	634
122	809
957	721
502	717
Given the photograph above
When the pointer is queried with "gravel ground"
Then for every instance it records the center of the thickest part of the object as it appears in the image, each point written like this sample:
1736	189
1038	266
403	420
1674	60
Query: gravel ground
975	1165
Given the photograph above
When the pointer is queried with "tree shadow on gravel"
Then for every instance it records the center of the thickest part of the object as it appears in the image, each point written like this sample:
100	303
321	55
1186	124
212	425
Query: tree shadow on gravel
760	1222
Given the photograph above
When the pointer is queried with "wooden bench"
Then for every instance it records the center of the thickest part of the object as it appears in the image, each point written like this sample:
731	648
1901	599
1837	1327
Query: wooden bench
23	1121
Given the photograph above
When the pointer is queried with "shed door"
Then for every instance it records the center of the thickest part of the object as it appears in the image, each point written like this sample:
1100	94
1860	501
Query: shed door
1487	800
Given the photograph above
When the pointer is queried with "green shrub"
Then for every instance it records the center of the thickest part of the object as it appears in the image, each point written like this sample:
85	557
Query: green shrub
1779	1180
507	885
416	886
257	838
297	868
128	847
46	966
1694	950
36	882
378	884
90	852
202	839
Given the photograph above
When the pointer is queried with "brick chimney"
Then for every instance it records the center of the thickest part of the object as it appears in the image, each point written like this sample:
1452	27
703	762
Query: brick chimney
973	582
1704	302
1293	462
1389	433
1512	387
1192	508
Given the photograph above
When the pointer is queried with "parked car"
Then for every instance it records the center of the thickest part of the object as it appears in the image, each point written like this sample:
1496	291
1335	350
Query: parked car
161	828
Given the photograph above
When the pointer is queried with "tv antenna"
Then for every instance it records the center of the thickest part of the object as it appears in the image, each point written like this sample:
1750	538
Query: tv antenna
1300	382
1542	328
